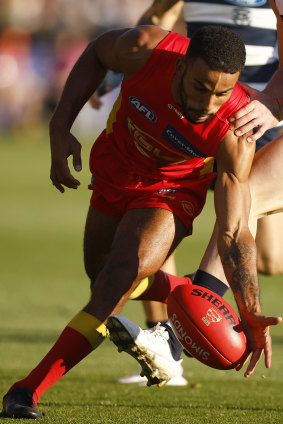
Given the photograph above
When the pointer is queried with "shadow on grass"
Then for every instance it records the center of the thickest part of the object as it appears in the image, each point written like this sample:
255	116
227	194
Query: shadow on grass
37	336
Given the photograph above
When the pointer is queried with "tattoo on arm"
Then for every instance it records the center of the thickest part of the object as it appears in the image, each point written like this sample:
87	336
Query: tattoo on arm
239	258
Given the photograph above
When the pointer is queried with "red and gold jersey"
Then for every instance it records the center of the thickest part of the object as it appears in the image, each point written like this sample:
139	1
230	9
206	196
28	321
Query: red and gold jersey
147	130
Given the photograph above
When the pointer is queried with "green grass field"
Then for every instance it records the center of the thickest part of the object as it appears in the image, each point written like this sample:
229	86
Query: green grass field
43	285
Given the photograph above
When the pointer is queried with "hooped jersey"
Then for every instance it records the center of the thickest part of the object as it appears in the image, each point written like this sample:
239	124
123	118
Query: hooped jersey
147	131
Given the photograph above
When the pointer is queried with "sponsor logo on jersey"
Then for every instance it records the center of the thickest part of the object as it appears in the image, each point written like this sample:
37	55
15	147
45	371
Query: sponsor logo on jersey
247	3
152	148
176	139
187	340
142	108
188	207
171	107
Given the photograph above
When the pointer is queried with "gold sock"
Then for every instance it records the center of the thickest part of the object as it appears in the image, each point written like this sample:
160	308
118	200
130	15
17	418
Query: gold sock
90	327
144	285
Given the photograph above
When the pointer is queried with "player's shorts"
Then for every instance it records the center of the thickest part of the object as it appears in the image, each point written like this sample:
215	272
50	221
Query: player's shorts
116	189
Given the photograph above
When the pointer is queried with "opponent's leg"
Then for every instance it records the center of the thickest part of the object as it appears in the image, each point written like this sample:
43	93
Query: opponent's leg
266	180
267	202
269	241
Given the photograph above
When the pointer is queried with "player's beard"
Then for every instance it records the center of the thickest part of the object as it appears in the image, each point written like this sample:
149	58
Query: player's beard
189	113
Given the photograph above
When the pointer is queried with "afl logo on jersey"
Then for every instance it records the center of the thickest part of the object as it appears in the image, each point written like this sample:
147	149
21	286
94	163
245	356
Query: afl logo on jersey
247	3
143	109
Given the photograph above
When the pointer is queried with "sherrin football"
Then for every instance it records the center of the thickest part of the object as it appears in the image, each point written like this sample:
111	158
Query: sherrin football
207	326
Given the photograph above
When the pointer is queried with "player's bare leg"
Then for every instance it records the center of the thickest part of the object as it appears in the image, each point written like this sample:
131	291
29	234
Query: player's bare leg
269	241
266	182
142	242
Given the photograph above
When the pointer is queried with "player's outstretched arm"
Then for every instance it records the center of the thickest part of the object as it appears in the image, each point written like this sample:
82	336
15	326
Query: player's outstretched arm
84	78
123	51
237	247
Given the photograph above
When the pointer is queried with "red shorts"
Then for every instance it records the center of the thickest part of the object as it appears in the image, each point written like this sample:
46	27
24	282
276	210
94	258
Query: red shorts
116	189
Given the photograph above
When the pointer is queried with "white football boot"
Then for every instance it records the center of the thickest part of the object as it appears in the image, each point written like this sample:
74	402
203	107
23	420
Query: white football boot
149	347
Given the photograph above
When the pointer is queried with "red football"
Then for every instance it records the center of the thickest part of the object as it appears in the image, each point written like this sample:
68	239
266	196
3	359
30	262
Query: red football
207	326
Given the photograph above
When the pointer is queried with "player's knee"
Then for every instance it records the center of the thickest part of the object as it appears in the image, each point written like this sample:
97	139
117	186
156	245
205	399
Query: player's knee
91	271
123	273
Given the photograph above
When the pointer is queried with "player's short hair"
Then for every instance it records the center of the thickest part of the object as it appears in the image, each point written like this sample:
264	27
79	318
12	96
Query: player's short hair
221	48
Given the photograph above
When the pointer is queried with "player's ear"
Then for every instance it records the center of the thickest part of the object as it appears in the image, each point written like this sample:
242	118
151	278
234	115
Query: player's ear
180	66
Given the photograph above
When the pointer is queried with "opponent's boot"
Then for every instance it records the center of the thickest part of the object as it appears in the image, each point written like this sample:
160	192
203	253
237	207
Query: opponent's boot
18	403
149	347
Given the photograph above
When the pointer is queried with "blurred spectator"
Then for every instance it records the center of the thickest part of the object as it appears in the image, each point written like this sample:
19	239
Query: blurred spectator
17	78
39	43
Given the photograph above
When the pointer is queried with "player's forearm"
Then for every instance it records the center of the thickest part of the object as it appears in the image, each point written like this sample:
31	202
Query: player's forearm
154	14
84	78
236	246
147	18
238	256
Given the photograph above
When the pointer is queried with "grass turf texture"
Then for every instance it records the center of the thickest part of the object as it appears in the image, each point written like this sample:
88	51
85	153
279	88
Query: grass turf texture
43	285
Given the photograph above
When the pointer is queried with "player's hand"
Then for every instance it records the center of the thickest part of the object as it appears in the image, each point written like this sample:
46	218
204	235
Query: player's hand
62	146
262	112
256	328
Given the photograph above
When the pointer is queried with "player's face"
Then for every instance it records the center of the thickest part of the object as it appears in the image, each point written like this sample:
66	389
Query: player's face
202	91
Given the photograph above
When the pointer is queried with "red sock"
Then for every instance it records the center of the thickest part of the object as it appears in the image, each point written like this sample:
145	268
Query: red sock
70	348
162	286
